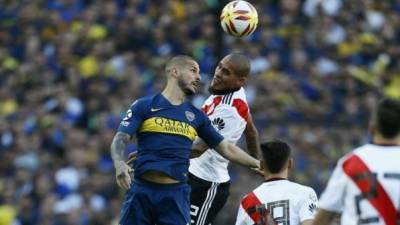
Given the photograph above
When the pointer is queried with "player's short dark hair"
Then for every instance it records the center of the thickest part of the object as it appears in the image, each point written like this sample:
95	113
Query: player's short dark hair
178	61
387	117
275	154
242	64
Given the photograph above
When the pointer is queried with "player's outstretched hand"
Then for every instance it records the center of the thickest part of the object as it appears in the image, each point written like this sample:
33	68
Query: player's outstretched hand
122	173
260	169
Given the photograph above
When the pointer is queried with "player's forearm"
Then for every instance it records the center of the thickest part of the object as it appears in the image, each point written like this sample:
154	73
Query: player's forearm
237	155
253	146
198	148
252	138
118	146
195	153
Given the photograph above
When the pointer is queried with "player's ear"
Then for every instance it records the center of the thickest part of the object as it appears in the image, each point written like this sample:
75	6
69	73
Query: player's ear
263	164
290	163
175	72
172	72
372	127
241	81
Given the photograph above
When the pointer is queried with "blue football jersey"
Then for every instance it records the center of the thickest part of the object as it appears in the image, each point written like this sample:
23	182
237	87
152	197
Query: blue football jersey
165	134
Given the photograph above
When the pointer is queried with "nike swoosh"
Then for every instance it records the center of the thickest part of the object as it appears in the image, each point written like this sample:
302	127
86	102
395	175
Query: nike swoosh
155	110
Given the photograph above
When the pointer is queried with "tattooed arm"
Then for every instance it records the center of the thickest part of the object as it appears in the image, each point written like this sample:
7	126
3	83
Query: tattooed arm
122	170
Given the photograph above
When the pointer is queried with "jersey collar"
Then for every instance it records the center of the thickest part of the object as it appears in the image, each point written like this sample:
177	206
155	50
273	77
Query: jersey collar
385	145
274	179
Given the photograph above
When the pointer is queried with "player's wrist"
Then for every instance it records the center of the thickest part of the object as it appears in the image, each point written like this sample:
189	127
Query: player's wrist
256	164
118	162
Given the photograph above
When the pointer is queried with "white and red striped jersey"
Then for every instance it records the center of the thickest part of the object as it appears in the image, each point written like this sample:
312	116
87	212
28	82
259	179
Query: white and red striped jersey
365	186
284	201
229	114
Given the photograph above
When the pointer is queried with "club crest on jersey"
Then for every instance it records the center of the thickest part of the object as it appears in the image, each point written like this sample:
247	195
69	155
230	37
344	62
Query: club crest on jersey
189	115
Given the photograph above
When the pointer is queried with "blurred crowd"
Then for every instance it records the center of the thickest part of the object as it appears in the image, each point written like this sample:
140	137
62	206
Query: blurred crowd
70	68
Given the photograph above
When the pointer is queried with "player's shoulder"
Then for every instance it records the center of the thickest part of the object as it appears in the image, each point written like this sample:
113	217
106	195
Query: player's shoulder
143	101
363	148
196	111
301	187
235	97
240	94
239	104
231	101
294	187
357	151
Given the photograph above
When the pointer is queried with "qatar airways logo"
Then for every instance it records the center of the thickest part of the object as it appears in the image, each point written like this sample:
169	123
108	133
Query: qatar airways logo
172	125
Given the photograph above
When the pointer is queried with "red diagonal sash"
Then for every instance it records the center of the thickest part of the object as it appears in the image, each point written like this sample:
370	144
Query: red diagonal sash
353	167
250	204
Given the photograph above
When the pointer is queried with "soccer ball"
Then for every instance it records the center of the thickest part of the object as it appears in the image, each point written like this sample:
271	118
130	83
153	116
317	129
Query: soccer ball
239	18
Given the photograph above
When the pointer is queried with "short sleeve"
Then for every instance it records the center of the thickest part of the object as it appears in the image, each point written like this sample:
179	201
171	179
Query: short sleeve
309	205
242	108
208	133
332	197
133	118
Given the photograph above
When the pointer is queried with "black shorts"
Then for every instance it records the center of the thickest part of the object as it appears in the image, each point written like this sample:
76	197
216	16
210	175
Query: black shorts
206	199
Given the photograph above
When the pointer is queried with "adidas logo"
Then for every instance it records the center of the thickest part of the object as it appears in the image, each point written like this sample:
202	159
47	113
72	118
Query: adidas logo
218	123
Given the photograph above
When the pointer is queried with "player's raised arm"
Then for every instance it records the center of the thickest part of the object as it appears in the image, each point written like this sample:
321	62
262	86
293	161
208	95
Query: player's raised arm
122	169
252	138
236	154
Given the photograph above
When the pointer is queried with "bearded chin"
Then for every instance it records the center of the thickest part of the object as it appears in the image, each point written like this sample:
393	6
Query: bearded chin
183	86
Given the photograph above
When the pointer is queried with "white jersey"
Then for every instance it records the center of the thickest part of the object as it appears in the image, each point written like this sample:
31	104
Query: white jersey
229	114
284	201
365	186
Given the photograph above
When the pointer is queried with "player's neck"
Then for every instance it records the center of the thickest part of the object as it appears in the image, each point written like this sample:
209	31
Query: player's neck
379	140
173	94
273	176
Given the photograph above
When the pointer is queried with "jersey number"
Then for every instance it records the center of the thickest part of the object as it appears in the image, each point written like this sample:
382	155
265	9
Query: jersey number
272	213
194	210
371	193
